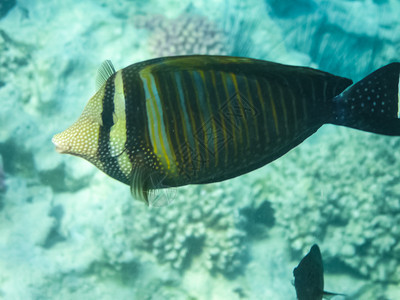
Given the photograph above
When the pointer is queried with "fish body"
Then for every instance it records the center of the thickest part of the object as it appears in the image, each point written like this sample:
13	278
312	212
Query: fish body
199	119
309	277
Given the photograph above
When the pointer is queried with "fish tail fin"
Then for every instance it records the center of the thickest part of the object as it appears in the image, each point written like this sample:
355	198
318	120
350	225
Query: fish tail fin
372	104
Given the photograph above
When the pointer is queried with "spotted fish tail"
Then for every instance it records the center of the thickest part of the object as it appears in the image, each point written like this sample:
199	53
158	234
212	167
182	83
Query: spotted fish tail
372	104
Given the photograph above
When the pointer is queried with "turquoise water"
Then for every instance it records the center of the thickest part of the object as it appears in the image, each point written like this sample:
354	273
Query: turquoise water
67	231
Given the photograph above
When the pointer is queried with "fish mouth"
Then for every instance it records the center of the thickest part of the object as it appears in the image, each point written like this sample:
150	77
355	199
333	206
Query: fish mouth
60	148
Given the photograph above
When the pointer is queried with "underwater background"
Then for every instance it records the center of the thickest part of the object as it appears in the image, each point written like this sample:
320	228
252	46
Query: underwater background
68	231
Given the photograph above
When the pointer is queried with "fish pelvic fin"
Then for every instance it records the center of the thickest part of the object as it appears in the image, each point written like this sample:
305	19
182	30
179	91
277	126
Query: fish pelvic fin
149	188
139	185
371	104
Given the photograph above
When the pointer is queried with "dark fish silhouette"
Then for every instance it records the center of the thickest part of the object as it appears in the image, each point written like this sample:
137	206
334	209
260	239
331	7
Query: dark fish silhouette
309	277
198	119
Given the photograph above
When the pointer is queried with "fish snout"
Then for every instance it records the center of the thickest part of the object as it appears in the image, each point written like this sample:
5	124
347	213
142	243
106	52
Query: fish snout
60	146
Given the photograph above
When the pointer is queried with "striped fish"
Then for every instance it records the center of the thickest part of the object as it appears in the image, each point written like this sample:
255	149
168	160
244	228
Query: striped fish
174	121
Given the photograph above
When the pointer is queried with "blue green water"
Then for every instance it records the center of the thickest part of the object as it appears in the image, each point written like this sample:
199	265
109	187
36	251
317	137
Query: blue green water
67	231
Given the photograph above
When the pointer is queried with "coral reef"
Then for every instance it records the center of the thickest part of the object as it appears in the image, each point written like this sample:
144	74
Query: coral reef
68	231
205	222
226	30
346	200
184	35
57	234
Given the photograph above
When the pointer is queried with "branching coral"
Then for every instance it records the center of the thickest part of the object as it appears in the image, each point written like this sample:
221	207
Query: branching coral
184	35
203	222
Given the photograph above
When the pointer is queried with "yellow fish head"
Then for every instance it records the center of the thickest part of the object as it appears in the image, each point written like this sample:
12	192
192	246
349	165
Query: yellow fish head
81	139
99	135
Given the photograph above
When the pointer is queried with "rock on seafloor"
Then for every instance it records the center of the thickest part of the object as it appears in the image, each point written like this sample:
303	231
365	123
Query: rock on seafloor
67	231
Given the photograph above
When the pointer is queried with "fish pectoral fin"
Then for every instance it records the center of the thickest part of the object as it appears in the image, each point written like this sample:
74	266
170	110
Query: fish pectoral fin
329	295
149	187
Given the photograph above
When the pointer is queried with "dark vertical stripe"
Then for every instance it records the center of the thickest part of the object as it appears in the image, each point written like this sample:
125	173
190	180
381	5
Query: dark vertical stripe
110	164
107	121
314	95
301	97
195	91
266	111
293	108
186	122
281	111
227	108
235	112
283	101
137	131
212	103
221	100
316	105
249	96
194	112
205	114
246	109
174	117
162	95
271	96
258	120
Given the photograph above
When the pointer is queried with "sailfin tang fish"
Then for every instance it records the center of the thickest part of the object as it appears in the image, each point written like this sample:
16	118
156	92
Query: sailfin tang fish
174	121
309	277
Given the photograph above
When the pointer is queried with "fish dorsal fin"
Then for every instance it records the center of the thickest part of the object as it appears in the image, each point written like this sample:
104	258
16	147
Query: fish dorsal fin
106	70
148	187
